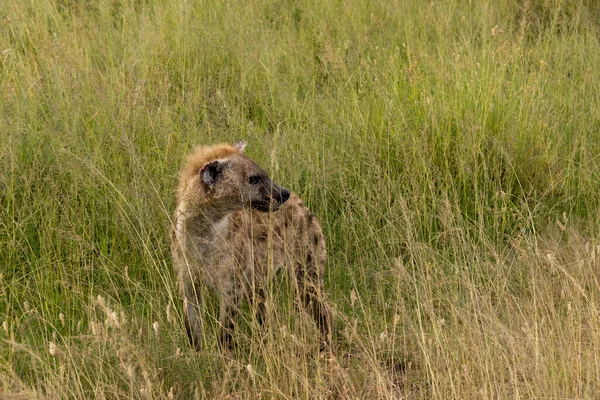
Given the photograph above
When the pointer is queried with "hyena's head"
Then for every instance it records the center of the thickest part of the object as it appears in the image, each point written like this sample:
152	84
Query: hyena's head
235	181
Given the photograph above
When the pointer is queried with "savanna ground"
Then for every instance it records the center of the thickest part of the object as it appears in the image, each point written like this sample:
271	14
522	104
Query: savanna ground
450	149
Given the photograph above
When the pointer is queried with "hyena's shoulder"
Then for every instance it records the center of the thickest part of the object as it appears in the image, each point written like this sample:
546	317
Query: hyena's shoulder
295	216
293	222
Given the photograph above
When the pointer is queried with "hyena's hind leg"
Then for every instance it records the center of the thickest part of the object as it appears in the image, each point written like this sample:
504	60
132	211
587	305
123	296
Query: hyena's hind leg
192	311
310	289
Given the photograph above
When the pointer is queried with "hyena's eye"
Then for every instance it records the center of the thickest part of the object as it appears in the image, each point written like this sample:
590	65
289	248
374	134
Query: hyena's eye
254	179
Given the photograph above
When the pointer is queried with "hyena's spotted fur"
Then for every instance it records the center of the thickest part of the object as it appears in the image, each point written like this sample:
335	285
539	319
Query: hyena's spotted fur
233	229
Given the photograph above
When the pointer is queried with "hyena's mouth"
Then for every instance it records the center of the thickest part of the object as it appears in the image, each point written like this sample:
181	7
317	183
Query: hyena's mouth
265	206
277	196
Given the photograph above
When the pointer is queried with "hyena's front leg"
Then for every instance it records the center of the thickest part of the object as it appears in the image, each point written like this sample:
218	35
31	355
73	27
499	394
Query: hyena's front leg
311	292
258	302
228	308
192	309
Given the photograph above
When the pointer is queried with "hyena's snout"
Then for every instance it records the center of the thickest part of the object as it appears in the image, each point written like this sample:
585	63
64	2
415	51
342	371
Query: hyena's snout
279	195
271	198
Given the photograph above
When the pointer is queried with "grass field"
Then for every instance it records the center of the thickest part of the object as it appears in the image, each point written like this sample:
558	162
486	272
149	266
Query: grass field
450	149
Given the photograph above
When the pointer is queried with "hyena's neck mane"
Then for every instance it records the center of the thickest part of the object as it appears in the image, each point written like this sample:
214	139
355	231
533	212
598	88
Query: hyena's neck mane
201	156
195	210
191	190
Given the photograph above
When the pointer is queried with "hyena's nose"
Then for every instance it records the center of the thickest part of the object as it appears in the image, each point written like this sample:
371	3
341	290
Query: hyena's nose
285	194
280	194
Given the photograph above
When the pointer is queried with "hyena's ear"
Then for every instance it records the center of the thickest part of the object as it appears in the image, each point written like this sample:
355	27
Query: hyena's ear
209	174
240	146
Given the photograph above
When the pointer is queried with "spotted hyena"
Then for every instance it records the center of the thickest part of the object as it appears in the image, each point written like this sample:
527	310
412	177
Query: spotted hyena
233	229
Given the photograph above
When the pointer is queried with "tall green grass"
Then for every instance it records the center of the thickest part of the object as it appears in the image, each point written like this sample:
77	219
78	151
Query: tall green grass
450	150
